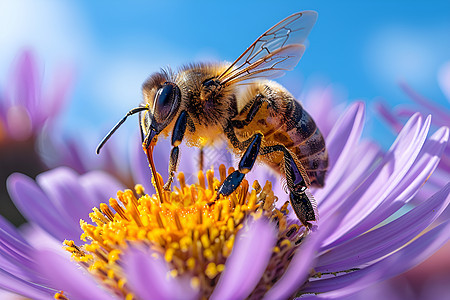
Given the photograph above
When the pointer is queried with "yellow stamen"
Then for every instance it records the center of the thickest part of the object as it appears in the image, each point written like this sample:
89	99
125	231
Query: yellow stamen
189	228
60	296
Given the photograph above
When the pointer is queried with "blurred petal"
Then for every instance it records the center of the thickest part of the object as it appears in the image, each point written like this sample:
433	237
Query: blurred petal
100	186
388	116
344	136
148	277
19	123
68	277
26	88
251	252
440	114
37	207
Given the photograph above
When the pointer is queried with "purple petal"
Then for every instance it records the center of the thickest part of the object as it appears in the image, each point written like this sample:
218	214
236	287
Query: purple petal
38	238
23	287
100	187
365	157
397	263
37	207
322	104
65	275
441	114
18	123
344	136
26	83
302	263
56	98
341	143
234	283
148	277
406	189
384	240
15	252
70	201
383	180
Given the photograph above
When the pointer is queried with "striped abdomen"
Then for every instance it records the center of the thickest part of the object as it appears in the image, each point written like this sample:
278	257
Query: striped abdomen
282	120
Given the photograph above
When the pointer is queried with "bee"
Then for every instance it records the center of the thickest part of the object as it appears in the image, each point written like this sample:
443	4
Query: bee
260	120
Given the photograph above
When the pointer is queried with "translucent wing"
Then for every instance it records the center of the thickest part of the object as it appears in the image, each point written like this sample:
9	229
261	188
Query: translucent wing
278	50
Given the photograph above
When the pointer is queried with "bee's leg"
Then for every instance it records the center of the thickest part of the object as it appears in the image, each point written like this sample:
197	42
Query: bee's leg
201	157
297	183
246	163
257	103
177	136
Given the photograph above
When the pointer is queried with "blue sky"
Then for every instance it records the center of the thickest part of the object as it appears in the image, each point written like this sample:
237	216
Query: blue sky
362	48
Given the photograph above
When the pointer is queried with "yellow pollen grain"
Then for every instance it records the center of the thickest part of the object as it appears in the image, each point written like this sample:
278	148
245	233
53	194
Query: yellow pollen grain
122	283
114	255
190	263
139	189
129	296
60	296
211	270
190	229
169	254
173	273
195	282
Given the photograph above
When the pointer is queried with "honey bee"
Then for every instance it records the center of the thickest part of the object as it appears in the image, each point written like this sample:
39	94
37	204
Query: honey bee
259	118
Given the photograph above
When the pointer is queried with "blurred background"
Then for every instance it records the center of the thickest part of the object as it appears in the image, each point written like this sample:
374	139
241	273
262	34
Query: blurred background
102	51
362	48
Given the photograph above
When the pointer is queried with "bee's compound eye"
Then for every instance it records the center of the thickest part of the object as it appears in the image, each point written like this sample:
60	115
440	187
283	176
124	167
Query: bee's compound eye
166	98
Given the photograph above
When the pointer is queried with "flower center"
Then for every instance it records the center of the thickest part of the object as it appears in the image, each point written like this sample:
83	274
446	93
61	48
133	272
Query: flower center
193	231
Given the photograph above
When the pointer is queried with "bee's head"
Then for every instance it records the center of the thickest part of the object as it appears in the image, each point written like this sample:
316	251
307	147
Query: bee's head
161	102
163	99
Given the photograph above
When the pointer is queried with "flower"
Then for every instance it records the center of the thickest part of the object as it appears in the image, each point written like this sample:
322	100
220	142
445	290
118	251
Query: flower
25	110
431	277
265	252
441	117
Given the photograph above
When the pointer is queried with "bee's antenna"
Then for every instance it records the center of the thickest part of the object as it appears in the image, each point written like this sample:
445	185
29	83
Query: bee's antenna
106	138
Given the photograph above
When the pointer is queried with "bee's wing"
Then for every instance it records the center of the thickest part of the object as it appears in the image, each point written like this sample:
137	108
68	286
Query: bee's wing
277	50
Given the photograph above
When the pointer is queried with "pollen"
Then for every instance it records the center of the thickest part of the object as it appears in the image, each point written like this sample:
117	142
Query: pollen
188	227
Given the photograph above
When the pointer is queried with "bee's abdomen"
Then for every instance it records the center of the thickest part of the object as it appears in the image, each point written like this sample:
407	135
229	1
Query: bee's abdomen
282	120
297	131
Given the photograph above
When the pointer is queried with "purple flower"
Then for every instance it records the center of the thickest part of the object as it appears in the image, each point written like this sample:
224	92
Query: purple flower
431	277
25	111
24	107
441	117
247	245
